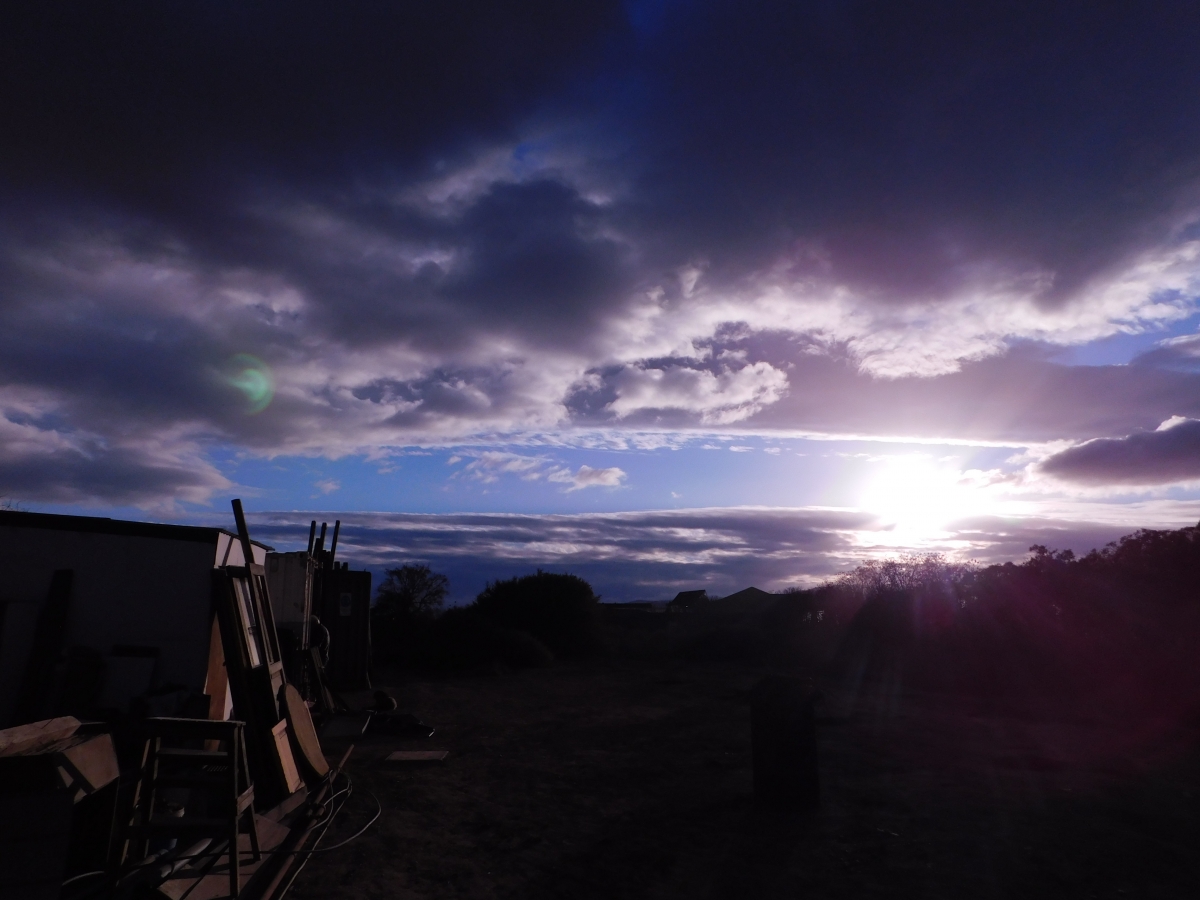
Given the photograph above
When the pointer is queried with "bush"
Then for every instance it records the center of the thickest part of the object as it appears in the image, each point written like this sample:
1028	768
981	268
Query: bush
462	640
559	610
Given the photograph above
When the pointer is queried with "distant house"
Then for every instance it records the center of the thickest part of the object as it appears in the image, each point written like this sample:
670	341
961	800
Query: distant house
686	601
743	606
750	595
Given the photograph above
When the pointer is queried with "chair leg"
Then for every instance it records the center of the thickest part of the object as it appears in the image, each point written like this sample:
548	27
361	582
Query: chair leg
137	814
234	879
254	835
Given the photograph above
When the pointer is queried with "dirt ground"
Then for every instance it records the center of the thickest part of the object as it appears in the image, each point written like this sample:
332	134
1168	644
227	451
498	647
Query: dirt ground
633	780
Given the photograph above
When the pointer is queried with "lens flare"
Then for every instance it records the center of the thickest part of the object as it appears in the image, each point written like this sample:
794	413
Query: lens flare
253	378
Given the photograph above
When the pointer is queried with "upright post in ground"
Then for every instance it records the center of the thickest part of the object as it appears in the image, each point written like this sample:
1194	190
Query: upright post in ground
783	732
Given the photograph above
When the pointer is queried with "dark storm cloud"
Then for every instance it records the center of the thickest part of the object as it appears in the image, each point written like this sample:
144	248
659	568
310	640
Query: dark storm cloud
1171	454
652	555
916	143
43	464
143	98
434	221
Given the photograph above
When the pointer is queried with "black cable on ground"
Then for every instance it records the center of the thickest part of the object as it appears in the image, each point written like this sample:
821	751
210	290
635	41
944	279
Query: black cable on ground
356	835
83	875
334	808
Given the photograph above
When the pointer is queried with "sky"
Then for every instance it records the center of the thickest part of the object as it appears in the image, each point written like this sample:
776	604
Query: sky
669	295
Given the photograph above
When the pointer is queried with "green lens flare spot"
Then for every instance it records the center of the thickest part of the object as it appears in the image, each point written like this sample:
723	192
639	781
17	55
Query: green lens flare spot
253	378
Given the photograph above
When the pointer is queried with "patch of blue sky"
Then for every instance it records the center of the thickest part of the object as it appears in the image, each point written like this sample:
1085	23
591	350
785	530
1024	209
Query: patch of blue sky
1122	349
717	472
701	473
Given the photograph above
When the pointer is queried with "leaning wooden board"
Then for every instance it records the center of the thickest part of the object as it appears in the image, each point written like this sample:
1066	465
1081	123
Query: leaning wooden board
304	735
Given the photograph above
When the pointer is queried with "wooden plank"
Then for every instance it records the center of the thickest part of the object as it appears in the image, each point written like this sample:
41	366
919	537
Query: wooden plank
88	763
216	682
28	738
250	687
304	735
284	748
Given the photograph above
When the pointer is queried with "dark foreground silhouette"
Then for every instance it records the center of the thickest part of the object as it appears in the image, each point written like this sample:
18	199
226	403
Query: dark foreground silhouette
1025	730
633	780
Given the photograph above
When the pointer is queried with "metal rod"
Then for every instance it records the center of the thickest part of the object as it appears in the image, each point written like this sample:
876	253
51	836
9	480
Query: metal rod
320	541
312	536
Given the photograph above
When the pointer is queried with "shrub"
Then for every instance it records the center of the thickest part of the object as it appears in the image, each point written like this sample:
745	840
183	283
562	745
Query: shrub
462	640
559	610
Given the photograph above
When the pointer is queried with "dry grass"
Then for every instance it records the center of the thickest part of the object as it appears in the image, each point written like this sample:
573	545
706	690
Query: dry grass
632	780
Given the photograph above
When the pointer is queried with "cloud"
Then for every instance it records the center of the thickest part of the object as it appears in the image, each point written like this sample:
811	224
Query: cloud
652	555
1171	454
588	477
490	465
328	485
440	225
721	397
43	462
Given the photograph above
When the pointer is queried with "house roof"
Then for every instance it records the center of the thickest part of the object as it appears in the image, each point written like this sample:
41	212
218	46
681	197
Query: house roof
751	600
124	527
749	594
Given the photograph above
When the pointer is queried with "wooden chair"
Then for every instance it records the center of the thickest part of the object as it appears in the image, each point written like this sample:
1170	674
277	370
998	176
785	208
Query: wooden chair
208	758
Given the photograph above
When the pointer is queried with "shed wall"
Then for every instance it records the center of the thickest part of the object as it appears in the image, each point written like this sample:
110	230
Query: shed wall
127	590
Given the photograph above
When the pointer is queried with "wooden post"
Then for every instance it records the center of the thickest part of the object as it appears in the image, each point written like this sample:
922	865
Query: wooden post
337	526
243	533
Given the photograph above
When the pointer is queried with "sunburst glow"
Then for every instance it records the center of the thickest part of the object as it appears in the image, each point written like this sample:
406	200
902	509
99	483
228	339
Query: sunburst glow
918	497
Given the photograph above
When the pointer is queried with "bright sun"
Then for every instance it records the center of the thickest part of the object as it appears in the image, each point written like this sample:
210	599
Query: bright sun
917	497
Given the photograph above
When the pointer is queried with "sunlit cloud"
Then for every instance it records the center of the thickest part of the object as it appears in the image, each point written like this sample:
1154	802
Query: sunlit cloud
721	397
587	477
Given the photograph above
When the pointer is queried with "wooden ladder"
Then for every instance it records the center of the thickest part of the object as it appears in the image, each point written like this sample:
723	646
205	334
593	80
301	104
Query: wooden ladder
207	757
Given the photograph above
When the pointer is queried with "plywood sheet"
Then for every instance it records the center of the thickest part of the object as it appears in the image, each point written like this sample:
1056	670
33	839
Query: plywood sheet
304	735
287	762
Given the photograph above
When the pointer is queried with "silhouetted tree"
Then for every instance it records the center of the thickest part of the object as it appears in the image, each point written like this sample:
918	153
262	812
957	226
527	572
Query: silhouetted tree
412	590
911	572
